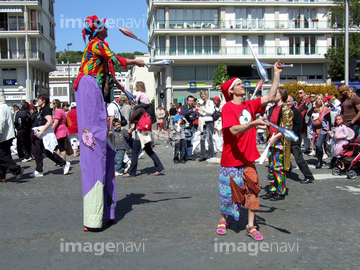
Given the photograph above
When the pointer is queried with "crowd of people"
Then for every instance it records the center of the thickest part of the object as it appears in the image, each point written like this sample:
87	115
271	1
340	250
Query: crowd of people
228	123
40	129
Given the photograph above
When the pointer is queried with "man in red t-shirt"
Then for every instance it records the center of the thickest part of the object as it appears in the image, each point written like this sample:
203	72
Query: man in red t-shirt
239	181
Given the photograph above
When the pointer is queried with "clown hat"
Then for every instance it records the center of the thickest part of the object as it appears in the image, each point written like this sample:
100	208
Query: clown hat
92	26
226	86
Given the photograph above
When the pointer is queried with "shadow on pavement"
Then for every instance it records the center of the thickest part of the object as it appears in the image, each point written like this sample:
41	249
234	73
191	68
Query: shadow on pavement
124	206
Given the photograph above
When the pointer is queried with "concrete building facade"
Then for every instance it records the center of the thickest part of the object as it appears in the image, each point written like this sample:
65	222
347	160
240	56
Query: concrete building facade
61	80
27	42
199	35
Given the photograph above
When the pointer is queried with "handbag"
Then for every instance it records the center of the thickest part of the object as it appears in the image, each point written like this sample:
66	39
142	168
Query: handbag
216	115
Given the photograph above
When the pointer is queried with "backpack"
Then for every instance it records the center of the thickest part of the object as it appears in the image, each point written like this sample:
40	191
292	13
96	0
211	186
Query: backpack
144	123
318	122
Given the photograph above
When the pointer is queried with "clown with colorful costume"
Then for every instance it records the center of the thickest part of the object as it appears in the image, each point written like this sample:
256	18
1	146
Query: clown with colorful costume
94	88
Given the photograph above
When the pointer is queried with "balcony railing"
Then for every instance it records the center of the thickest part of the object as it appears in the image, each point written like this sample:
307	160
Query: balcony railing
40	1
244	24
286	1
20	54
242	50
33	26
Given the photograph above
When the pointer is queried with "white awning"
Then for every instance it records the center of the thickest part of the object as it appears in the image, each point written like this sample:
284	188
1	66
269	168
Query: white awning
6	10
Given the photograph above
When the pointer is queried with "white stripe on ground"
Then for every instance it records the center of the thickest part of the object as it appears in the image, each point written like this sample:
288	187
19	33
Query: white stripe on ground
354	190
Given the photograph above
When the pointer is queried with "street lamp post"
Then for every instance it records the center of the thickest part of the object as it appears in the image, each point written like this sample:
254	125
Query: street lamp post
69	93
347	42
21	89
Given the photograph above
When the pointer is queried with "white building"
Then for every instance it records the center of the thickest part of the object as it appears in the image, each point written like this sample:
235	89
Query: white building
200	35
27	42
143	74
61	80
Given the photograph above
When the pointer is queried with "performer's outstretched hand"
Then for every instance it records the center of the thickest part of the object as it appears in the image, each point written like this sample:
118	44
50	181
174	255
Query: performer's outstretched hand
260	121
278	69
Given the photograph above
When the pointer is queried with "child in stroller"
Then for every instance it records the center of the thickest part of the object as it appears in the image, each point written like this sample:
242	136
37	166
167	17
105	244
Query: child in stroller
348	160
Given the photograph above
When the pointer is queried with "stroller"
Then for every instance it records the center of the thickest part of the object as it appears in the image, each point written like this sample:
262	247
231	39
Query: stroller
348	160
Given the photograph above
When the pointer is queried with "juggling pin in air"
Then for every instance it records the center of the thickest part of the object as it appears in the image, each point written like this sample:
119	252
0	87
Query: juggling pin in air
160	63
128	33
288	134
266	66
257	87
130	97
260	69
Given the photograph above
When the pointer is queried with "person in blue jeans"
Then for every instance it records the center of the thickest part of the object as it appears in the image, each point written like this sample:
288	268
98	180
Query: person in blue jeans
190	115
120	138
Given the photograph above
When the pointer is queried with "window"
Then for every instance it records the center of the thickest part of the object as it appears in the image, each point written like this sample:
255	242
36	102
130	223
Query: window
52	30
176	18
190	45
51	7
60	91
310	47
294	45
245	45
294	17
194	73
261	48
16	23
162	45
33	22
160	18
17	48
9	76
4	48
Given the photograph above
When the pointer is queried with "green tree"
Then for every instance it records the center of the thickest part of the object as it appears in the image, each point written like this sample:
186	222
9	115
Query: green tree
220	76
337	53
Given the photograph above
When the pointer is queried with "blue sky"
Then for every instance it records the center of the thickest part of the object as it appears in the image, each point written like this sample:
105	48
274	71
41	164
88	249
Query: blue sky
70	14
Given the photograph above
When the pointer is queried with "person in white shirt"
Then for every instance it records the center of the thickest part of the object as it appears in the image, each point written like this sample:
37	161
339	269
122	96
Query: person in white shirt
208	128
114	111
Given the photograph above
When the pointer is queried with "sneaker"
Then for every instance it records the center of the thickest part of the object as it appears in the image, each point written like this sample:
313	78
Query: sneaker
118	174
36	174
312	153
26	159
141	155
325	156
126	159
66	167
127	166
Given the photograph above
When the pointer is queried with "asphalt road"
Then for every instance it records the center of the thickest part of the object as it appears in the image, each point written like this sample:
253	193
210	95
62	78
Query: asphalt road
169	222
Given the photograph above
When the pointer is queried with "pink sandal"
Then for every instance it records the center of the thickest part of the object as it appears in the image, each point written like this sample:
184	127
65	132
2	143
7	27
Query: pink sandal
221	228
253	233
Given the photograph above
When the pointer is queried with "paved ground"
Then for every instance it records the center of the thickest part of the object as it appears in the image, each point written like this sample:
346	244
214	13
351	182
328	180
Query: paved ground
169	222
